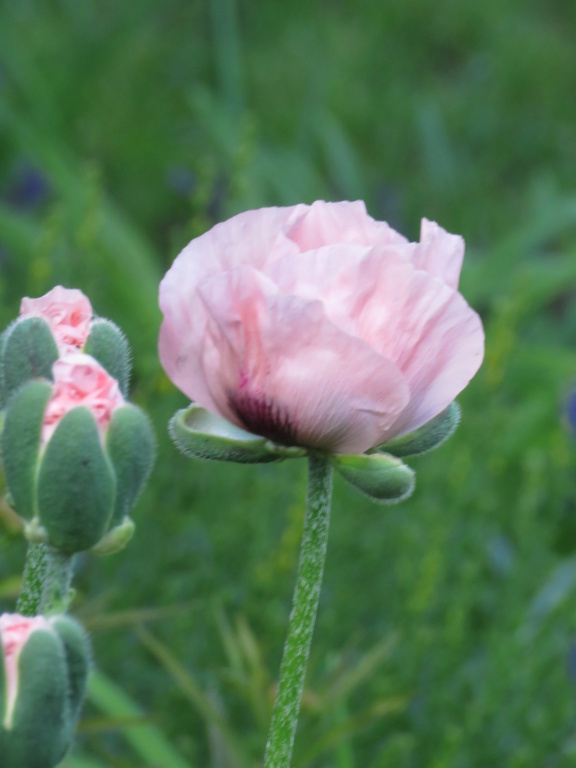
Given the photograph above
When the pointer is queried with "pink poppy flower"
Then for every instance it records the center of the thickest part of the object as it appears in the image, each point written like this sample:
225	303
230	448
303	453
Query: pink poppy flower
14	633
81	381
68	313
319	326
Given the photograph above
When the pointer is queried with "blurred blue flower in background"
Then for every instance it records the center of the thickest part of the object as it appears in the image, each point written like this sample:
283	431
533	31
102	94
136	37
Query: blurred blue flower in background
28	188
180	180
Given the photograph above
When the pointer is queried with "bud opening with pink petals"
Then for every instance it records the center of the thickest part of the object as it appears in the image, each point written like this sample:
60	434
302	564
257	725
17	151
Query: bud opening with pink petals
67	311
79	380
76	456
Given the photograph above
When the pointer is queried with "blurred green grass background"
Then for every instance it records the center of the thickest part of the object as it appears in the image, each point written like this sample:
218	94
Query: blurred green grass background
447	624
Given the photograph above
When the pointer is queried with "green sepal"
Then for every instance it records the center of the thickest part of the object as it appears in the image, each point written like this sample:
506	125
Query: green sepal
202	435
78	655
427	437
286	451
382	477
76	484
21	443
115	539
130	447
28	351
108	344
35	533
40	729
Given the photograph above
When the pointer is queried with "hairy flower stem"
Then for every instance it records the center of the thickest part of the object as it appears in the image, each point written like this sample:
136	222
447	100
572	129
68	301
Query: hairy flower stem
303	615
32	580
46	581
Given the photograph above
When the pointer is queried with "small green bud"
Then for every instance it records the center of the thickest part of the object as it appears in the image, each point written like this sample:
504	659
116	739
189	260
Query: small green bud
427	437
380	476
44	666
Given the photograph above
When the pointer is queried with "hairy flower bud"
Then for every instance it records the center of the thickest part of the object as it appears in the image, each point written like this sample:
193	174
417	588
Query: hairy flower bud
68	313
43	672
76	456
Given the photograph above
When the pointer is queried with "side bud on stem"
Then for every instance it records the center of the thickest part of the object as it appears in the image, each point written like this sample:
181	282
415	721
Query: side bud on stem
76	455
43	675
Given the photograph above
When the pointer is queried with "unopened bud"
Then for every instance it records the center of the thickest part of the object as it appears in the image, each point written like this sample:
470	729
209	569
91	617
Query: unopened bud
44	668
76	455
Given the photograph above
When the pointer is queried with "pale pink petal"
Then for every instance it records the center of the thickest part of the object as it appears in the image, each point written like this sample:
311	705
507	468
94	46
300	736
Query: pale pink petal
253	238
67	311
14	633
79	380
431	334
344	278
439	253
276	366
329	223
406	315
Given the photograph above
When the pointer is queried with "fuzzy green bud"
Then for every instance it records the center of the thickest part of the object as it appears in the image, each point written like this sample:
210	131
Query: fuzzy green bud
76	456
43	674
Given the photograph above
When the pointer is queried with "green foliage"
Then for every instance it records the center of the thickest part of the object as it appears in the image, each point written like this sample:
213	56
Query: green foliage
446	621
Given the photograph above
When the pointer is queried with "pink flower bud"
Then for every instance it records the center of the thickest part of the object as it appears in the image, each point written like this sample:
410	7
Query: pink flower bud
79	380
68	313
14	632
319	326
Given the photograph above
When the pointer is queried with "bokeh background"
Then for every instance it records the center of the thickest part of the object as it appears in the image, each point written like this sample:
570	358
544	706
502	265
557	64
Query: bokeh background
447	623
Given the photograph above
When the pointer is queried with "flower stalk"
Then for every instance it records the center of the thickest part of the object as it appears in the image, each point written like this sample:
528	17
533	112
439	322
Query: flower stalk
303	614
30	596
46	581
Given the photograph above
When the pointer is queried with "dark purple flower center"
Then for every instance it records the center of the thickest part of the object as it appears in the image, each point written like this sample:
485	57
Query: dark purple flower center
263	416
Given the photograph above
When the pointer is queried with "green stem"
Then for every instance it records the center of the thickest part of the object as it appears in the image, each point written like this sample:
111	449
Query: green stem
56	592
303	615
46	581
32	581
